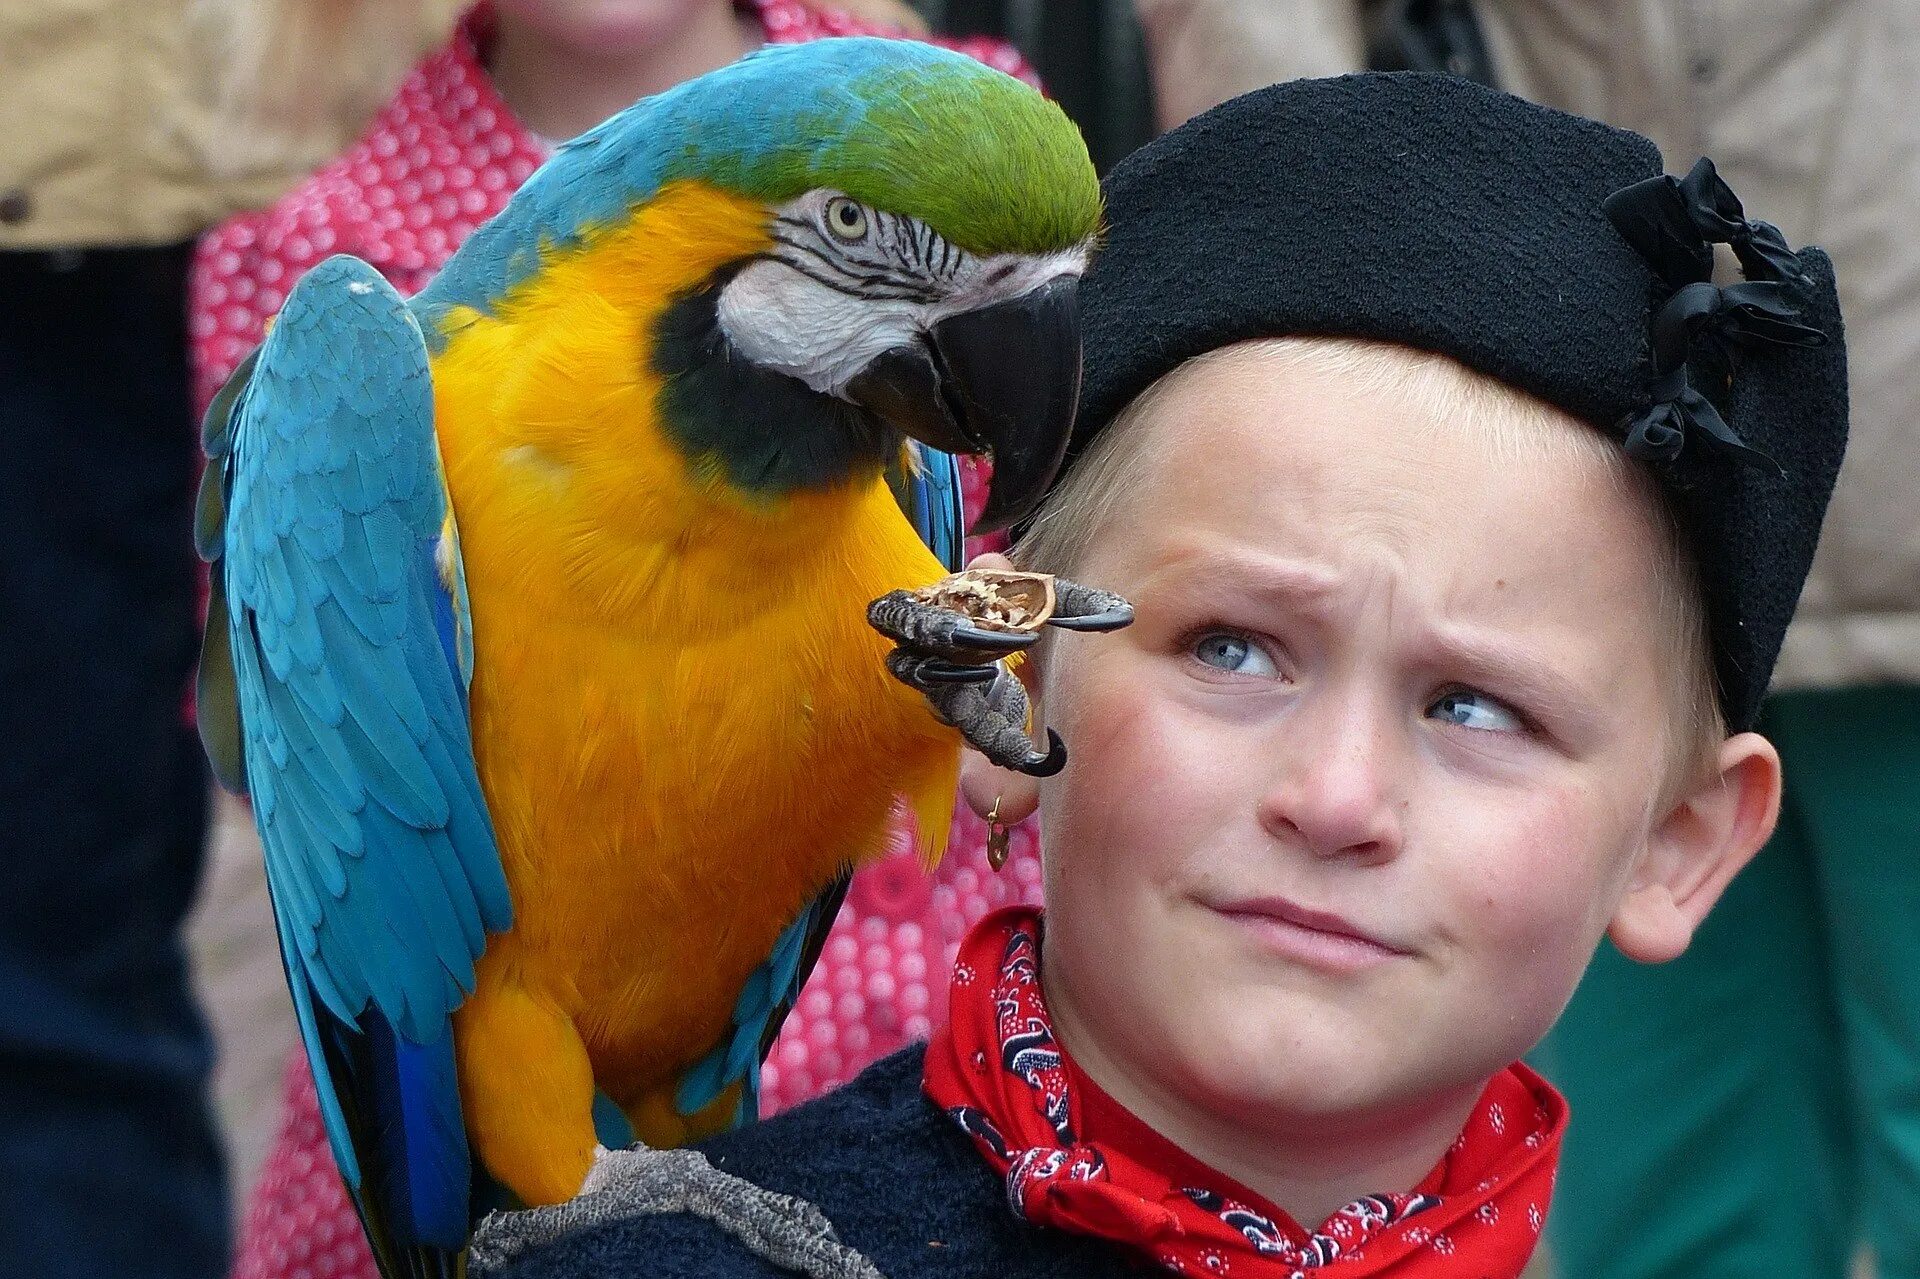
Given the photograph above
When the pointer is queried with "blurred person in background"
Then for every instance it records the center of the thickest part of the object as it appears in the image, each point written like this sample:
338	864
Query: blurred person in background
1755	1107
465	128
110	164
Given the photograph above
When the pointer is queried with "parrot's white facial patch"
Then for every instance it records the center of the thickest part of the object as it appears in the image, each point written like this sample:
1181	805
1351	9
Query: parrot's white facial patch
846	282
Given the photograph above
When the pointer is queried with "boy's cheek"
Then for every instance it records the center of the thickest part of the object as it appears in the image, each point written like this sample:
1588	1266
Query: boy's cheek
1538	870
1528	923
1124	755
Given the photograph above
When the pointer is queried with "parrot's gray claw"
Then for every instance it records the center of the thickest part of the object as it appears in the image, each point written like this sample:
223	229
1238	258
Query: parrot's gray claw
932	670
791	1234
1087	608
988	706
954	665
1035	764
939	632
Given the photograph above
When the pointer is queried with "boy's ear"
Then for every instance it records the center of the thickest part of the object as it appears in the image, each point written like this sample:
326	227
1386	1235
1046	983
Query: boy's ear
1696	849
981	782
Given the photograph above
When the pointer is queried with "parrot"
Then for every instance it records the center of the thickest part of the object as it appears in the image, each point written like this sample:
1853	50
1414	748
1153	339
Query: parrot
563	628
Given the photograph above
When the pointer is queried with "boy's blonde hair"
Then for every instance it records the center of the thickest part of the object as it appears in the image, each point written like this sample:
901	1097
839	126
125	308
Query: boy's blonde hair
1521	429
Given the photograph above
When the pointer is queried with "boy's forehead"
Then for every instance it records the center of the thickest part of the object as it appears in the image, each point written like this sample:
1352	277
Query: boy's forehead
1285	416
1286	453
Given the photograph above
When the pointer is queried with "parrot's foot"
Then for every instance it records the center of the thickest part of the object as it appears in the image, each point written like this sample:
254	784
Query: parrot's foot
990	711
790	1233
955	665
588	1186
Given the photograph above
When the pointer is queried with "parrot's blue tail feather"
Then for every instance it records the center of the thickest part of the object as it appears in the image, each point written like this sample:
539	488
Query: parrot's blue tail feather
414	1192
407	1173
345	1063
424	1162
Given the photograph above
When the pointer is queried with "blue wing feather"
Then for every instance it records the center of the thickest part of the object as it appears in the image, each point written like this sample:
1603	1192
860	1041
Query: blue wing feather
345	648
938	513
927	486
424	1132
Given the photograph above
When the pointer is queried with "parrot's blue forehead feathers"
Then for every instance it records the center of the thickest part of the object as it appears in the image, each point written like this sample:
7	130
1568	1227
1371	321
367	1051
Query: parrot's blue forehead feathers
983	159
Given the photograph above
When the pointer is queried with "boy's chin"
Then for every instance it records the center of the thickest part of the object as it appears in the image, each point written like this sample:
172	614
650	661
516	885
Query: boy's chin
1312	1066
1300	1074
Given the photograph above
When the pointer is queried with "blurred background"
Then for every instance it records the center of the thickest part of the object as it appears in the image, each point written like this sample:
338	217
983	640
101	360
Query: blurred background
169	167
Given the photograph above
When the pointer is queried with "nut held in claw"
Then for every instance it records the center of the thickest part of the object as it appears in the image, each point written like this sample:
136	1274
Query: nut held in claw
994	599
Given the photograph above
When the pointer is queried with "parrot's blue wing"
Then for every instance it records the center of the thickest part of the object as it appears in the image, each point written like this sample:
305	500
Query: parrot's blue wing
927	486
762	1007
333	687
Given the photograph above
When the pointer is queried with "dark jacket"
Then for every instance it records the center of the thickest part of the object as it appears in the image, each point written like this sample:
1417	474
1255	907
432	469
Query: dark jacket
899	1182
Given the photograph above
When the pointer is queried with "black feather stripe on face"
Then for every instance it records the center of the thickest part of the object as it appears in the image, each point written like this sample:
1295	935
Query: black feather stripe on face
896	251
771	434
811	263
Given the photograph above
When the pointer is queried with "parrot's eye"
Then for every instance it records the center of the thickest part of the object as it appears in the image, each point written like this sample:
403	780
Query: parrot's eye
846	219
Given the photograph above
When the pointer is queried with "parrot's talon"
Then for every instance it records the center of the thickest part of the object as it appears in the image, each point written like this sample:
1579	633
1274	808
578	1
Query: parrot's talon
990	713
790	1233
938	632
934	671
943	655
608	1165
993	641
1112	619
1087	608
1039	765
927	674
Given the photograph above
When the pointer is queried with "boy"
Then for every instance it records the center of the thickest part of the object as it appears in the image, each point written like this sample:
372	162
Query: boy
1462	514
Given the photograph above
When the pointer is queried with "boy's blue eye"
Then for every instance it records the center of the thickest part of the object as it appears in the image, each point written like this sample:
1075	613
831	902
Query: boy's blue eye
1468	709
1226	651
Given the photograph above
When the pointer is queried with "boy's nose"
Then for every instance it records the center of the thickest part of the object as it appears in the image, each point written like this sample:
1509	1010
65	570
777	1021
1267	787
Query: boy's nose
1333	789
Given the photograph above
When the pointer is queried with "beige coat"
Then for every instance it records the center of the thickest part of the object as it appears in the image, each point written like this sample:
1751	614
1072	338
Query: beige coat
111	132
1811	111
130	122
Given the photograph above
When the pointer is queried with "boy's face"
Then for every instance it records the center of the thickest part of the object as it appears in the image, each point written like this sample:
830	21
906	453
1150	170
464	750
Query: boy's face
1352	802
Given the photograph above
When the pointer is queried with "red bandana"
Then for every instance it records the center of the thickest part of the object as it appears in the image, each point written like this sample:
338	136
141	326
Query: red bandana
1075	1160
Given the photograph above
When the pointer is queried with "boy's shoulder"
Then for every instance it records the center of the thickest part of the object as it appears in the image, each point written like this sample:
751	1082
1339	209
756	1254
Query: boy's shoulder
898	1184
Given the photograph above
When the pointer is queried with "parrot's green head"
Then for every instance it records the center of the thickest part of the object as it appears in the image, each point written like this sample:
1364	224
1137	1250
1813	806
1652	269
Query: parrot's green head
931	227
927	223
973	155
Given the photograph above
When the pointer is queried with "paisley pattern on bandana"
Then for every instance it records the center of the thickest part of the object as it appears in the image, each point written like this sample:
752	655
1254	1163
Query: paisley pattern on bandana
998	1072
1357	1221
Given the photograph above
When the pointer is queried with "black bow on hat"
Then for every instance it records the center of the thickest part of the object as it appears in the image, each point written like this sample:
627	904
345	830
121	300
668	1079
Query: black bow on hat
1674	223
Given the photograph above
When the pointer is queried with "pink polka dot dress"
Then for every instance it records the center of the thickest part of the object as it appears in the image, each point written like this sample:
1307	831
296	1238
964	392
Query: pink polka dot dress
444	156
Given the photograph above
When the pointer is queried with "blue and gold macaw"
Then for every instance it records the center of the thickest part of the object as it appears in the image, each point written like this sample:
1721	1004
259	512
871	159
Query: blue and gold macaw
540	632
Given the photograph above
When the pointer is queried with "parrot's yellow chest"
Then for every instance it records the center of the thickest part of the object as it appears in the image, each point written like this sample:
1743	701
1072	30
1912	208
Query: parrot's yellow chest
683	723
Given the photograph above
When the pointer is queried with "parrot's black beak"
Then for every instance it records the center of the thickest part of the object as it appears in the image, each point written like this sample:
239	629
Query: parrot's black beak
1003	380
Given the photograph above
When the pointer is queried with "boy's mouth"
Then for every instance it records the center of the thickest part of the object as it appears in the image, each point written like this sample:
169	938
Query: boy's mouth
1317	938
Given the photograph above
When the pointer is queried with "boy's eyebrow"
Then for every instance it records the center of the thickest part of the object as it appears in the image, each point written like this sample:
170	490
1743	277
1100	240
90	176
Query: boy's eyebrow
1516	669
1252	572
1469	652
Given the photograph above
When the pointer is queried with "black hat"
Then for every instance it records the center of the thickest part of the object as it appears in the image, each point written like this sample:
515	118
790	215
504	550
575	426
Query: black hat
1537	247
